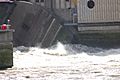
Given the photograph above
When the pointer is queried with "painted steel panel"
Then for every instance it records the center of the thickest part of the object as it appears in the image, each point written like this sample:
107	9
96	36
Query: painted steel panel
103	11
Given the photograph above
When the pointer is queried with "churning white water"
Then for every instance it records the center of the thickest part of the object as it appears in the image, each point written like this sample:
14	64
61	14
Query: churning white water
64	62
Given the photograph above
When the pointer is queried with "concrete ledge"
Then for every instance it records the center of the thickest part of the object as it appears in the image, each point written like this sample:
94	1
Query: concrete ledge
6	36
102	40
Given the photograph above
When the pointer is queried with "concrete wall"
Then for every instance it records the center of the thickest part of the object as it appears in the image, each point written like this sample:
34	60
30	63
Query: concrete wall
6	36
32	24
6	49
61	8
58	4
6	55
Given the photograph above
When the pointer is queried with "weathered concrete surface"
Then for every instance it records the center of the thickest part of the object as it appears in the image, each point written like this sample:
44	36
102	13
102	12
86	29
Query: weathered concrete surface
6	36
6	49
32	24
103	40
6	55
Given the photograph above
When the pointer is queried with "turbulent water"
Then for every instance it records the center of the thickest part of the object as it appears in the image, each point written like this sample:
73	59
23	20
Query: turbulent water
64	62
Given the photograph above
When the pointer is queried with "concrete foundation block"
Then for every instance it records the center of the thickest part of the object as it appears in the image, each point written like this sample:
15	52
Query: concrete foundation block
6	55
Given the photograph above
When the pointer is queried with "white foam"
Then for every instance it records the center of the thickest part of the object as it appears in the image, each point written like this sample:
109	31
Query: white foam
81	65
58	50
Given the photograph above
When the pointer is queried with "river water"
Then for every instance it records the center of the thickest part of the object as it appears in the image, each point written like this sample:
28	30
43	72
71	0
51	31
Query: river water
64	62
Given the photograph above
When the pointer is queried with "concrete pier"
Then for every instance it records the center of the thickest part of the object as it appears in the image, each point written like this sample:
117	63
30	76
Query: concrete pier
6	49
